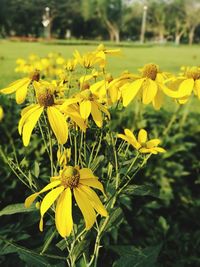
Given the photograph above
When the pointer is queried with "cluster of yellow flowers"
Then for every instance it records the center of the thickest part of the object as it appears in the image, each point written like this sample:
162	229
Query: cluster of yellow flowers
58	94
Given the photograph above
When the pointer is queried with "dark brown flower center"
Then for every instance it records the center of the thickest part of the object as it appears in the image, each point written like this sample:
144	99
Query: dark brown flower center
70	177
35	76
150	71
45	99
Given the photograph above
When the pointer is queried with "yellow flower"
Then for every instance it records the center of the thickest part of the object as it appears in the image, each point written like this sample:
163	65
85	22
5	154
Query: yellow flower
87	60
149	85
141	143
71	64
32	113
89	105
102	52
76	181
1	113
182	87
20	87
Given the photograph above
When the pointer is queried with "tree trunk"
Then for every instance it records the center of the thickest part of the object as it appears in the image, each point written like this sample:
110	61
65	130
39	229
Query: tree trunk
113	30
177	39
191	35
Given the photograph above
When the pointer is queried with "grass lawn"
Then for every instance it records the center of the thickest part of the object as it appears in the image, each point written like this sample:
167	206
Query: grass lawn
170	58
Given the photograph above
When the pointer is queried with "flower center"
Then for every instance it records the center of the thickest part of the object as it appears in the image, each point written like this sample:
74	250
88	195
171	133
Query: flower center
193	73
35	76
150	71
45	99
70	177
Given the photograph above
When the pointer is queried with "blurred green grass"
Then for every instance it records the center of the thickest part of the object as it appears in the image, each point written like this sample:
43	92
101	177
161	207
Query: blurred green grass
169	58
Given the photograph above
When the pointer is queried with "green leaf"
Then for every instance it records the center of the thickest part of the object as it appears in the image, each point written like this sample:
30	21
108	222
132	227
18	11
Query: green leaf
32	258
16	208
36	170
141	190
115	218
131	256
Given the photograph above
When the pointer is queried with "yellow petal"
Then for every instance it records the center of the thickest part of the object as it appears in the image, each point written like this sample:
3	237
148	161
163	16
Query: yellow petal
158	100
22	92
85	109
152	143
58	124
26	112
130	91
124	137
96	115
47	201
85	207
145	150
29	200
132	139
94	200
160	149
86	173
103	109
186	87
150	89
29	124
93	183
15	86
63	217
142	136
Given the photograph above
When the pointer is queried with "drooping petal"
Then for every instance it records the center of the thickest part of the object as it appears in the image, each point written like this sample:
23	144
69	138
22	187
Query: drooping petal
58	124
63	217
29	124
186	87
85	109
15	86
142	136
22	92
86	173
153	143
93	183
96	115
150	89
94	200
25	114
47	201
158	100
86	208
29	200
130	91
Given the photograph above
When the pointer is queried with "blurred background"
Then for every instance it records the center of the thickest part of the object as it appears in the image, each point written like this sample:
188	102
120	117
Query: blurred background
157	21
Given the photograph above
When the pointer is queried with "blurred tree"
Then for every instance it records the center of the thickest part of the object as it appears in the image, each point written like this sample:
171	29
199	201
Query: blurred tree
157	17
177	23
192	10
109	12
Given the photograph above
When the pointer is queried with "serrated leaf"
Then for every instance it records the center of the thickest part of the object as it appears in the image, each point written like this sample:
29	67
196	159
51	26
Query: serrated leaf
16	208
141	190
131	256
